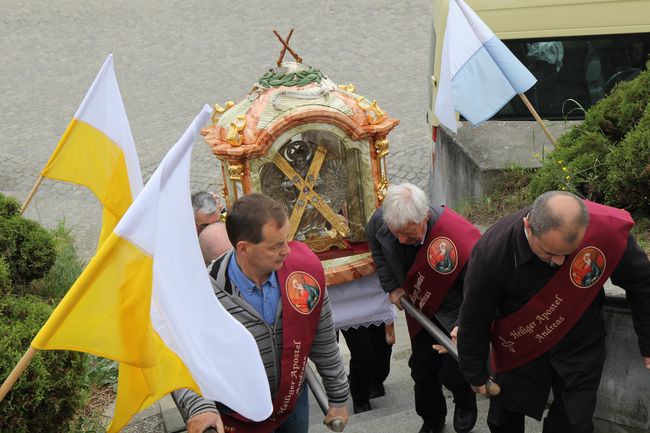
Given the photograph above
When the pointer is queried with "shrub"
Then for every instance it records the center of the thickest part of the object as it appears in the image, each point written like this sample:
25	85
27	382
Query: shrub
641	232
66	269
5	277
628	177
48	393
27	247
576	165
607	157
9	206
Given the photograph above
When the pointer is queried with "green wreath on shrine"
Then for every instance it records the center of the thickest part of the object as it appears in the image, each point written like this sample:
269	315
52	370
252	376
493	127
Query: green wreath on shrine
298	78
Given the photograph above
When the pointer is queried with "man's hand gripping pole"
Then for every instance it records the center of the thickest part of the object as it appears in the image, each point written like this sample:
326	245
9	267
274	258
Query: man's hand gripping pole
336	424
491	387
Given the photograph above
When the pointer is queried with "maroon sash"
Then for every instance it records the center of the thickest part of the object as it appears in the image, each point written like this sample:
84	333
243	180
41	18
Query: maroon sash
542	322
302	286
436	267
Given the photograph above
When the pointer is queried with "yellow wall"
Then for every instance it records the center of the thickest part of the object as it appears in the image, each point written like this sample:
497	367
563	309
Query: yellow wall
517	19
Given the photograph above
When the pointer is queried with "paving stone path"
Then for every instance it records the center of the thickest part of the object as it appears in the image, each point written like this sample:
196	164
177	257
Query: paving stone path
171	58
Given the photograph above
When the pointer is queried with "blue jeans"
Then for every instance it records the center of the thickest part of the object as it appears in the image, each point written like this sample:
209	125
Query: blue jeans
298	421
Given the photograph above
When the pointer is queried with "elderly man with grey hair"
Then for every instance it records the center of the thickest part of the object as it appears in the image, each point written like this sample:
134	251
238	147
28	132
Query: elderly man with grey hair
207	209
534	289
405	236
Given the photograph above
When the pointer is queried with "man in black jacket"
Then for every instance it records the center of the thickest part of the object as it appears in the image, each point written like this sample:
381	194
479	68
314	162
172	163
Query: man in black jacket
528	272
404	235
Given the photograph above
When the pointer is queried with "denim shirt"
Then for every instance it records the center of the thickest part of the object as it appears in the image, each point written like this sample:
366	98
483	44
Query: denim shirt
265	300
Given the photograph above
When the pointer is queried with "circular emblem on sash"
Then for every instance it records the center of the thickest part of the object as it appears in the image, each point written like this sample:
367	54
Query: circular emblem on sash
442	255
587	267
303	292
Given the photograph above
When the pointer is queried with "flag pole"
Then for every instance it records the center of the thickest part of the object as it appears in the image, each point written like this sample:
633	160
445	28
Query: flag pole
31	194
537	118
16	372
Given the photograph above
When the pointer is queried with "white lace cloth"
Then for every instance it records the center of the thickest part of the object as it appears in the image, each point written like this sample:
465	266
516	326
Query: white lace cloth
360	303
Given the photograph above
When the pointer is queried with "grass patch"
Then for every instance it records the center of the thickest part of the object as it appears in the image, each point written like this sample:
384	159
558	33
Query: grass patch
90	418
100	391
509	193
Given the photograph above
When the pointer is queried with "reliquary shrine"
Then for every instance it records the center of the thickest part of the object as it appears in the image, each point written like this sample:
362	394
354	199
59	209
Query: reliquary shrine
316	147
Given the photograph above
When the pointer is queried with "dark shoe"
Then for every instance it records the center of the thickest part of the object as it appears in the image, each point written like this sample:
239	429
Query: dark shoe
464	419
435	427
377	391
361	407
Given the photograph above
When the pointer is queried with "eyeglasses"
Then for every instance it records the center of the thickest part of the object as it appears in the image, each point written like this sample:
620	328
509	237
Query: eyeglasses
201	226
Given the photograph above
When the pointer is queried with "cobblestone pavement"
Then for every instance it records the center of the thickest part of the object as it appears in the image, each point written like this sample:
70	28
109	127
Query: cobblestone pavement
171	58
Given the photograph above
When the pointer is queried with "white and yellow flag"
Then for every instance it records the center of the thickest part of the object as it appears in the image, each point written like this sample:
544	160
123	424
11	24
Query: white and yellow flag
97	150
146	301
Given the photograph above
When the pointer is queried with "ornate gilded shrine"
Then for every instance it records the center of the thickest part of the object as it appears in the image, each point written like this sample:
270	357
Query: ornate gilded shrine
316	147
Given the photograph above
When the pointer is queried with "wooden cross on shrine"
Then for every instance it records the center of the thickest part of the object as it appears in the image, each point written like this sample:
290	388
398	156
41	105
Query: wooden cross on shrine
307	193
285	47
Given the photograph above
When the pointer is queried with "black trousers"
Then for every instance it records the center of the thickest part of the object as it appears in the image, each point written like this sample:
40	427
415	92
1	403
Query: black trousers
369	359
430	370
502	420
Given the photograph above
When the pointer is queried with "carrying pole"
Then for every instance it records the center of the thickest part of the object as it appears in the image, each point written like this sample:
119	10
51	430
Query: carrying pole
336	425
491	387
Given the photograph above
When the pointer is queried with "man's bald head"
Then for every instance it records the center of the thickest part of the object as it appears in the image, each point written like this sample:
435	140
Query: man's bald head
559	210
214	242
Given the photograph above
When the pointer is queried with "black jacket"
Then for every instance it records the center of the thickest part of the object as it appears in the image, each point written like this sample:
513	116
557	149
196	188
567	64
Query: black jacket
502	275
393	260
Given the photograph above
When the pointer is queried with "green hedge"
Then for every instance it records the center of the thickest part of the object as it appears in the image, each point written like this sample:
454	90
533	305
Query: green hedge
606	158
48	394
9	206
36	269
628	178
5	277
27	247
66	268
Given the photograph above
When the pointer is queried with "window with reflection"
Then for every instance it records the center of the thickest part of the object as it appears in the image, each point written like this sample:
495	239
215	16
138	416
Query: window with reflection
575	72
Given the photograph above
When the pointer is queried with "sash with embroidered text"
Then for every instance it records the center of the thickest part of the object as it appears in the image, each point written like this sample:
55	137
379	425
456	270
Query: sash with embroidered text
438	263
542	322
302	287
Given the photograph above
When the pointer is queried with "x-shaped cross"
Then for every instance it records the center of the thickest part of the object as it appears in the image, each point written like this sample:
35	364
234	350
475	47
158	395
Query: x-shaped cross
307	193
285	47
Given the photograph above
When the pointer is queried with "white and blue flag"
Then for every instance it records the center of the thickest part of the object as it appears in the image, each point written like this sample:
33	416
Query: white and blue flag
478	73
